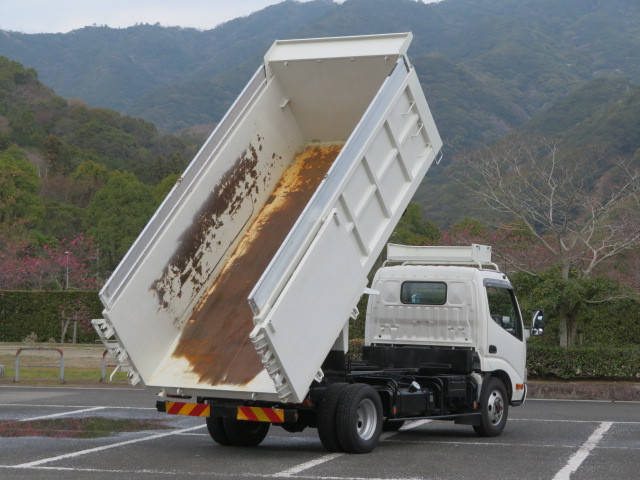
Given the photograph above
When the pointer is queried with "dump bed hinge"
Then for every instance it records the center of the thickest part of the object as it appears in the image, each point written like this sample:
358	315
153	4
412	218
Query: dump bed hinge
108	337
271	363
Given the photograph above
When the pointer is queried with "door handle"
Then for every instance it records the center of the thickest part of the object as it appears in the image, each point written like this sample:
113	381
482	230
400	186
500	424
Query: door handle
493	349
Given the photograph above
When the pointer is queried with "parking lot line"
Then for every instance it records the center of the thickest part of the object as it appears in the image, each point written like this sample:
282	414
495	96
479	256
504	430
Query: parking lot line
410	425
579	400
622	422
61	414
174	473
583	452
78	453
73	406
296	469
307	465
476	443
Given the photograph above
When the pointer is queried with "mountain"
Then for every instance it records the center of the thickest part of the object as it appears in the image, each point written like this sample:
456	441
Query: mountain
75	181
598	123
115	67
518	56
584	102
62	134
566	70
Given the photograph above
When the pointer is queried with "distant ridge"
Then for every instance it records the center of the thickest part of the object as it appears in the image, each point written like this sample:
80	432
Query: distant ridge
525	54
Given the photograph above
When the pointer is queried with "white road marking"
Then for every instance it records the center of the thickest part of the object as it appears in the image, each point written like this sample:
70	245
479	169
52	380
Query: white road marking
289	472
583	452
296	469
42	461
332	477
61	414
487	444
503	444
410	425
579	400
73	406
552	420
207	474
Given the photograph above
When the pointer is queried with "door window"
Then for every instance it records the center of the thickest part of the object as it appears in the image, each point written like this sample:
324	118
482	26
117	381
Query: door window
504	311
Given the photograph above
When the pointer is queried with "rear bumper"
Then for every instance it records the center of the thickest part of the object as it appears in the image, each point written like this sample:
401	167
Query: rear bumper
240	412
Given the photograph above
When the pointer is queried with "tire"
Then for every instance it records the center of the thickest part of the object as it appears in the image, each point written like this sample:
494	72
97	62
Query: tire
327	417
391	426
243	433
494	406
216	430
359	418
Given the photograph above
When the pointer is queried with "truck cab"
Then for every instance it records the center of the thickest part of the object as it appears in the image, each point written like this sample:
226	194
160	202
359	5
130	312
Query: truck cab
446	300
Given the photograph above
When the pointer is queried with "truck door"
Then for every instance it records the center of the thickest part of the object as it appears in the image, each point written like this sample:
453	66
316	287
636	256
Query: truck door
505	338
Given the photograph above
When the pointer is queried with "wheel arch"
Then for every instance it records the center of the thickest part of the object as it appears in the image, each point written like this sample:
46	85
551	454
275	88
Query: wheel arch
506	380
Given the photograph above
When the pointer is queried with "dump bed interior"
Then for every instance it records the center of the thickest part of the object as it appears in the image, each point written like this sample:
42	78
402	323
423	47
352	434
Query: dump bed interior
178	300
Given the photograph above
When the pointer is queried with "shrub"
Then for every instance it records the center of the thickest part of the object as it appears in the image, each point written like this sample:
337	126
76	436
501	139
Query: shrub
544	361
38	314
600	362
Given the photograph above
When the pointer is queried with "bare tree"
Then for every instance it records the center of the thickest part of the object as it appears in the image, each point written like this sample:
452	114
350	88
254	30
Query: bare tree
580	215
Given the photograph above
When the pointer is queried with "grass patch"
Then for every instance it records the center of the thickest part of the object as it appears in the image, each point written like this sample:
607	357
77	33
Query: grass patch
52	374
88	427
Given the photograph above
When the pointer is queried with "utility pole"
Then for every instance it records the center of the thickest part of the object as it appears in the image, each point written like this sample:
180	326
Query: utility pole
66	283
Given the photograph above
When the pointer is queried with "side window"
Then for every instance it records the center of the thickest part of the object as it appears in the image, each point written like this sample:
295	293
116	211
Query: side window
424	293
503	310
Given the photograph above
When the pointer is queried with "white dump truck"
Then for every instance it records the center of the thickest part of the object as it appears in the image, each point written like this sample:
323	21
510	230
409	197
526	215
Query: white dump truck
234	301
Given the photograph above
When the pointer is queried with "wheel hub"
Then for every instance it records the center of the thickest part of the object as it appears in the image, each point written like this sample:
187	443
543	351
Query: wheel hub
367	419
495	407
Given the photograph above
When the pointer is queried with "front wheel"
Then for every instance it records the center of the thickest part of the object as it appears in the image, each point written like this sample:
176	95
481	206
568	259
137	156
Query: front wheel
494	406
359	418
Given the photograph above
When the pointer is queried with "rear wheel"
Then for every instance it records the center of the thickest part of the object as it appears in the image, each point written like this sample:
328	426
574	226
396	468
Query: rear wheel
327	417
229	431
359	418
216	430
494	408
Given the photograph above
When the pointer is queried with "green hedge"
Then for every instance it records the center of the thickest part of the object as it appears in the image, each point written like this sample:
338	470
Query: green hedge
543	361
40	312
602	362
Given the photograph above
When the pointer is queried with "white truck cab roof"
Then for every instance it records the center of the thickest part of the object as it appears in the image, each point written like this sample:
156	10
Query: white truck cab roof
447	314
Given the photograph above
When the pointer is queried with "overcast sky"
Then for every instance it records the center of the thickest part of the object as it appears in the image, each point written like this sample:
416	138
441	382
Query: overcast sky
34	16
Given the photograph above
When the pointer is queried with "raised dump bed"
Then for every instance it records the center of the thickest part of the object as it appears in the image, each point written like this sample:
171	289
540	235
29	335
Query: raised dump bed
244	278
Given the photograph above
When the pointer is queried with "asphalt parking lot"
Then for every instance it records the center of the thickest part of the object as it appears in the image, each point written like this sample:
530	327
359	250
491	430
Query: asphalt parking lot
545	439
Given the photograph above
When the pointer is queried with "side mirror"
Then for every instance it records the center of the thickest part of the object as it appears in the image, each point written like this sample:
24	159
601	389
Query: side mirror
537	323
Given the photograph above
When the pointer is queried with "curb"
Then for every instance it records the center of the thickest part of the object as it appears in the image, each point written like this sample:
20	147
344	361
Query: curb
615	392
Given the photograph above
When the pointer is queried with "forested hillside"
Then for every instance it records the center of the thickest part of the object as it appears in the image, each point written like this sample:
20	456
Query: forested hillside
599	121
68	173
489	64
537	101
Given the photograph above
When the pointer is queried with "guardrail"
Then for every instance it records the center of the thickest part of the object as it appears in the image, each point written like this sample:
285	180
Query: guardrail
104	367
118	366
16	374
